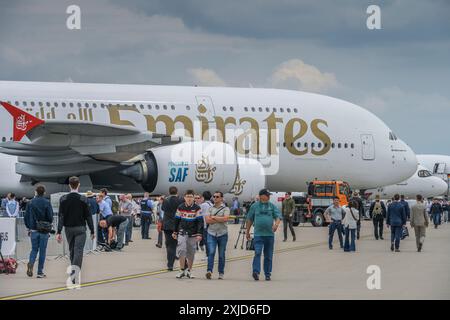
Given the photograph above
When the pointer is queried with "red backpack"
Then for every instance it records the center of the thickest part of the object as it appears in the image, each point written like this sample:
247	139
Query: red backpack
8	265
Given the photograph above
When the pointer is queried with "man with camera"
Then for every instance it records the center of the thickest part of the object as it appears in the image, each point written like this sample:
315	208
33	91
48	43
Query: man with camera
116	225
38	220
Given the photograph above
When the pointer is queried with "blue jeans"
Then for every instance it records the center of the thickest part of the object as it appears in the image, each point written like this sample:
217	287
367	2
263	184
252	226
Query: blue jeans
263	243
396	235
213	243
335	225
349	245
436	219
38	244
205	241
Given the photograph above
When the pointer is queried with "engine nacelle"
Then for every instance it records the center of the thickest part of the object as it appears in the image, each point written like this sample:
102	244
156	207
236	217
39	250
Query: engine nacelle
196	165
250	179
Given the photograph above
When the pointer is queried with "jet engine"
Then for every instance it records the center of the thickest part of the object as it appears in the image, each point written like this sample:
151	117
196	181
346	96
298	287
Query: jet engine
196	165
250	179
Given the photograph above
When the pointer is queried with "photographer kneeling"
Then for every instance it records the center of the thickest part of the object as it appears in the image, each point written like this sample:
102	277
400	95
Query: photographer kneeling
116	225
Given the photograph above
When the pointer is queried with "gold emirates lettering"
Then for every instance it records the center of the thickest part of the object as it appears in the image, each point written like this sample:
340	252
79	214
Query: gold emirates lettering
252	134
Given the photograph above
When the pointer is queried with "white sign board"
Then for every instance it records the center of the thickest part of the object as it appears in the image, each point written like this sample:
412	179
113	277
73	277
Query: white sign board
8	235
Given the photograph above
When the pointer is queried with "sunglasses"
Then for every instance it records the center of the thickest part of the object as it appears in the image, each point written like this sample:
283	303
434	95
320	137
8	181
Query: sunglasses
217	197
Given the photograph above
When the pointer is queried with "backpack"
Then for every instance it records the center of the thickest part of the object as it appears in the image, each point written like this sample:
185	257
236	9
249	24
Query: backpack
115	206
377	209
8	265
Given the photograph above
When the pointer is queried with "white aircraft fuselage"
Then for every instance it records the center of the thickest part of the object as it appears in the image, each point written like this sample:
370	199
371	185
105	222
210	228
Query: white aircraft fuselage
439	165
422	182
296	136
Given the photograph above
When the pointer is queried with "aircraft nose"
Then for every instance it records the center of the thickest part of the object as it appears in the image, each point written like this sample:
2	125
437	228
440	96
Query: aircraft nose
440	186
409	160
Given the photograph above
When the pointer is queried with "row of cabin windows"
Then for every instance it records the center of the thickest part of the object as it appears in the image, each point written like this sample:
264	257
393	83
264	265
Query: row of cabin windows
261	109
319	145
141	106
4	139
90	105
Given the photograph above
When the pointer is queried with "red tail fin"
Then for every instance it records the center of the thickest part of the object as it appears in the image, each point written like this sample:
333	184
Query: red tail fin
23	121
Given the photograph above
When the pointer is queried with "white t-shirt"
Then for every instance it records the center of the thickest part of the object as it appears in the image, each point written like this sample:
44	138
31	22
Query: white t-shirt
348	220
205	206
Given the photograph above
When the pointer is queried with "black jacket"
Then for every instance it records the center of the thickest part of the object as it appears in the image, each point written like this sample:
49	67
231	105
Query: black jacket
383	209
74	212
436	208
189	220
170	206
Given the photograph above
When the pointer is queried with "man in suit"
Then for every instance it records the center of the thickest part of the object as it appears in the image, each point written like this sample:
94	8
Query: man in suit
406	205
419	221
170	206
73	215
396	220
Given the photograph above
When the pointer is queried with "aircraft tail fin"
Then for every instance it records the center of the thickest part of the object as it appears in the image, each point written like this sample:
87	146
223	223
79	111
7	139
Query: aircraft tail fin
23	122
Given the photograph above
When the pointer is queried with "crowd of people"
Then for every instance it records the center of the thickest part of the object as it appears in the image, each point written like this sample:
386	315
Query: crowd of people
194	222
394	215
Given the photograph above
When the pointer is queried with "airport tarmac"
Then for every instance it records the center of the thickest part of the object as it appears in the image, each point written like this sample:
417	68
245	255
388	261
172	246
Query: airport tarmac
305	269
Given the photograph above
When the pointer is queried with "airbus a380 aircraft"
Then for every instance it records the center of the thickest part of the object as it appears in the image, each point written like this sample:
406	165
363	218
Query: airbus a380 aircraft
127	137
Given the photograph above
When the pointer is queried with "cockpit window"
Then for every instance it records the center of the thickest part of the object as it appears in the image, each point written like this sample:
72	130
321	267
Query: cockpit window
424	173
392	136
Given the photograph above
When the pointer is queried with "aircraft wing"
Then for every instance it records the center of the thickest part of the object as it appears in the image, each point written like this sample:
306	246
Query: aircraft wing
61	148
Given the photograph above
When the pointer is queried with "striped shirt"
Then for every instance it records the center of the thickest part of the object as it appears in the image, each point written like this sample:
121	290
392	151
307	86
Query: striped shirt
188	220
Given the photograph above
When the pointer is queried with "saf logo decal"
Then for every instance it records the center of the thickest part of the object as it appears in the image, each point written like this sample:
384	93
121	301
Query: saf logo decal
178	172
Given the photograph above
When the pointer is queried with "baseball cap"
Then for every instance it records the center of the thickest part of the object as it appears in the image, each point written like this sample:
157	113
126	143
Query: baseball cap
264	192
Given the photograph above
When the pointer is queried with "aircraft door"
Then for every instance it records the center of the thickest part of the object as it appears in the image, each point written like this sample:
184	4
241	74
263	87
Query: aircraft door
439	168
206	107
368	147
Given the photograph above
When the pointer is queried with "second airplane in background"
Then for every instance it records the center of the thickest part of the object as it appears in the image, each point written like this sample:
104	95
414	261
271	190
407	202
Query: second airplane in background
422	182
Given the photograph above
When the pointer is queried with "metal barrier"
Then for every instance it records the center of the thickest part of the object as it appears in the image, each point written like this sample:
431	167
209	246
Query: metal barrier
23	244
54	249
57	250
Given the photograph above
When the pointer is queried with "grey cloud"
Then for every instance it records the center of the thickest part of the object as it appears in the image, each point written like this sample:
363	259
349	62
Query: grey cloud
400	73
337	23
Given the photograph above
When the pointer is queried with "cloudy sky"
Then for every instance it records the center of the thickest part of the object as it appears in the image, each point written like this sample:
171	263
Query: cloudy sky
401	72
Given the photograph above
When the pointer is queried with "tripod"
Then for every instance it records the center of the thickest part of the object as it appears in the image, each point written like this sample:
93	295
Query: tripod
242	232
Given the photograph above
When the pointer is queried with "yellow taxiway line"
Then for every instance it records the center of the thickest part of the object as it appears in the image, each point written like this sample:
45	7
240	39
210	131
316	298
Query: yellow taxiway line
146	274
